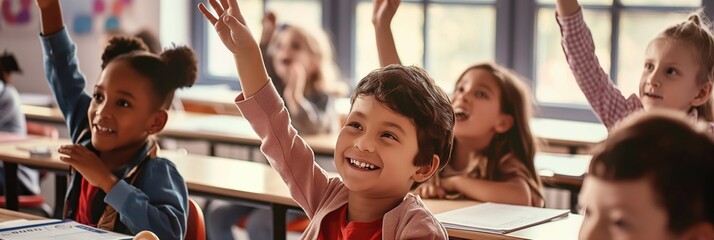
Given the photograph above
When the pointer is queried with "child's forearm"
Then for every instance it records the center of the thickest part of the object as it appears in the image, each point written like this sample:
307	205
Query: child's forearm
251	70
51	15
386	48
514	191
567	7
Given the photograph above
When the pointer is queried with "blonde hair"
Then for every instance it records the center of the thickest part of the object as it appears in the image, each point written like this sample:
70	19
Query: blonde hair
696	32
327	76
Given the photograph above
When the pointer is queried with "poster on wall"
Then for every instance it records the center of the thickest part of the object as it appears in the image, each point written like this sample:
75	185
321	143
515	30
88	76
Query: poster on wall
80	16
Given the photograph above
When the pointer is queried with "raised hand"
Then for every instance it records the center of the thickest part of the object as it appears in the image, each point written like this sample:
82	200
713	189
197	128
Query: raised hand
567	7
382	15
233	31
50	15
269	24
89	165
227	10
384	11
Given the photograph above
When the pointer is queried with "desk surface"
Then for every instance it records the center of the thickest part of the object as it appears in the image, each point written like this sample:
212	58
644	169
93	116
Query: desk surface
219	128
9	215
256	181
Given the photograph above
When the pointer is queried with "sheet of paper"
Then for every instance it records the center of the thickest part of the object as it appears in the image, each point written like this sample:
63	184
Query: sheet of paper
56	230
497	218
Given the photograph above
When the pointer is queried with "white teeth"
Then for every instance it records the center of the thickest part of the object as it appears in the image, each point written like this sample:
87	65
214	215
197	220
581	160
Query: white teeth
362	165
104	129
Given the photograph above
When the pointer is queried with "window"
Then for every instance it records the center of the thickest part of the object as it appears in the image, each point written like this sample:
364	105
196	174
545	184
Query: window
435	39
447	36
217	66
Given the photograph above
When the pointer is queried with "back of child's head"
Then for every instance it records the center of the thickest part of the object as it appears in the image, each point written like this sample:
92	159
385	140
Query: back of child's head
327	76
410	92
174	68
675	155
696	32
515	101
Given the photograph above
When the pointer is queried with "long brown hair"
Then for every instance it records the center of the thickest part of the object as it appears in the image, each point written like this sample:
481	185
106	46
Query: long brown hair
695	31
516	102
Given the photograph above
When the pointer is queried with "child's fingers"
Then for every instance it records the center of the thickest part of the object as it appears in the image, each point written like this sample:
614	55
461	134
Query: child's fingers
217	6
233	23
206	13
226	4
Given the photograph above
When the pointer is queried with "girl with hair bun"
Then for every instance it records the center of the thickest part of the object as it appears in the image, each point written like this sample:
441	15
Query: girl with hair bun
117	181
678	71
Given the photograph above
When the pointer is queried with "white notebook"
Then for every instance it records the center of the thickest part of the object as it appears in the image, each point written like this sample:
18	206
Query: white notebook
54	229
497	218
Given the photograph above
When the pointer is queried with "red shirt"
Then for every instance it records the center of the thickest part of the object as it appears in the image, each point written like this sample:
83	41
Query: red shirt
87	193
335	226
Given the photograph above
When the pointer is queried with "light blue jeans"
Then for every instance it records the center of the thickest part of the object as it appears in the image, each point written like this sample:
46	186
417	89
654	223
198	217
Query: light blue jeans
222	215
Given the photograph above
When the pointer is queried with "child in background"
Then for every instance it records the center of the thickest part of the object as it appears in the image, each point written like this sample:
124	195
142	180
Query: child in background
117	181
651	179
493	148
678	71
397	135
303	71
13	120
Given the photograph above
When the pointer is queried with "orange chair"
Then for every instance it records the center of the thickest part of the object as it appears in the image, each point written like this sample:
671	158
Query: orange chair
36	201
196	226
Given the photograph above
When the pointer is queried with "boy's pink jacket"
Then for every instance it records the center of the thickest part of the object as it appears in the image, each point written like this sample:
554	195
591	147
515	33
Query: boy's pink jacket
310	186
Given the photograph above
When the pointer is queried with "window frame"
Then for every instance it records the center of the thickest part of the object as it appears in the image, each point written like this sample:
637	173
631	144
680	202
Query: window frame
514	44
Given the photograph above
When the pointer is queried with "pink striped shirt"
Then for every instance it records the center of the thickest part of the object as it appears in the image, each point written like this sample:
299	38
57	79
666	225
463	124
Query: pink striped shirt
606	100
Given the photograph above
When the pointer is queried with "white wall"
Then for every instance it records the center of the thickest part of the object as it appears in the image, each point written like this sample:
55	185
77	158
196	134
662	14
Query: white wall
24	41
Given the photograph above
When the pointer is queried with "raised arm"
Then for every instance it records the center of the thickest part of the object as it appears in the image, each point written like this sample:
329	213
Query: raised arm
567	7
51	16
606	100
269	24
382	15
62	67
231	28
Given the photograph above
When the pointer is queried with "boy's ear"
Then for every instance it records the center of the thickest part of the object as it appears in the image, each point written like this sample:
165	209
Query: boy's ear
699	231
425	172
705	92
504	123
158	121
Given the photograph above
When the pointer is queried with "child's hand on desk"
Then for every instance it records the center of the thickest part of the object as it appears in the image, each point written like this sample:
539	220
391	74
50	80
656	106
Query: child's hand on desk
431	189
89	165
449	183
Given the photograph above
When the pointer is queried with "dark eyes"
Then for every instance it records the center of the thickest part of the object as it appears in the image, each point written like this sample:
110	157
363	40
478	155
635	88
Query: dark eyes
98	97
358	127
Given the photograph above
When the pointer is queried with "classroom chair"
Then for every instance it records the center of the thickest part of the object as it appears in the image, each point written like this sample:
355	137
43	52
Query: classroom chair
196	227
36	201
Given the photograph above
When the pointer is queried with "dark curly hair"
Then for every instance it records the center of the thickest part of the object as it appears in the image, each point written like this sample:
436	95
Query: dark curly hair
174	68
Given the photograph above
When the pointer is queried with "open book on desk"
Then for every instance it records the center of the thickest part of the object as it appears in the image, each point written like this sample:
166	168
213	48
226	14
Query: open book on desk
54	229
498	218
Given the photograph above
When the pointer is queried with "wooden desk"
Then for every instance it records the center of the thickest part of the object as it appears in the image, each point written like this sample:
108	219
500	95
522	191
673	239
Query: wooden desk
571	134
208	176
9	215
230	130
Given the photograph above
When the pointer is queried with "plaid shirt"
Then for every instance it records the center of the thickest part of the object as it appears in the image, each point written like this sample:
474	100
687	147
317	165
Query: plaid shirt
606	100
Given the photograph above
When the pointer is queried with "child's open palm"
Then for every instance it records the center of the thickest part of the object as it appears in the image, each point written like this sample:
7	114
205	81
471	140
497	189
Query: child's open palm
229	24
